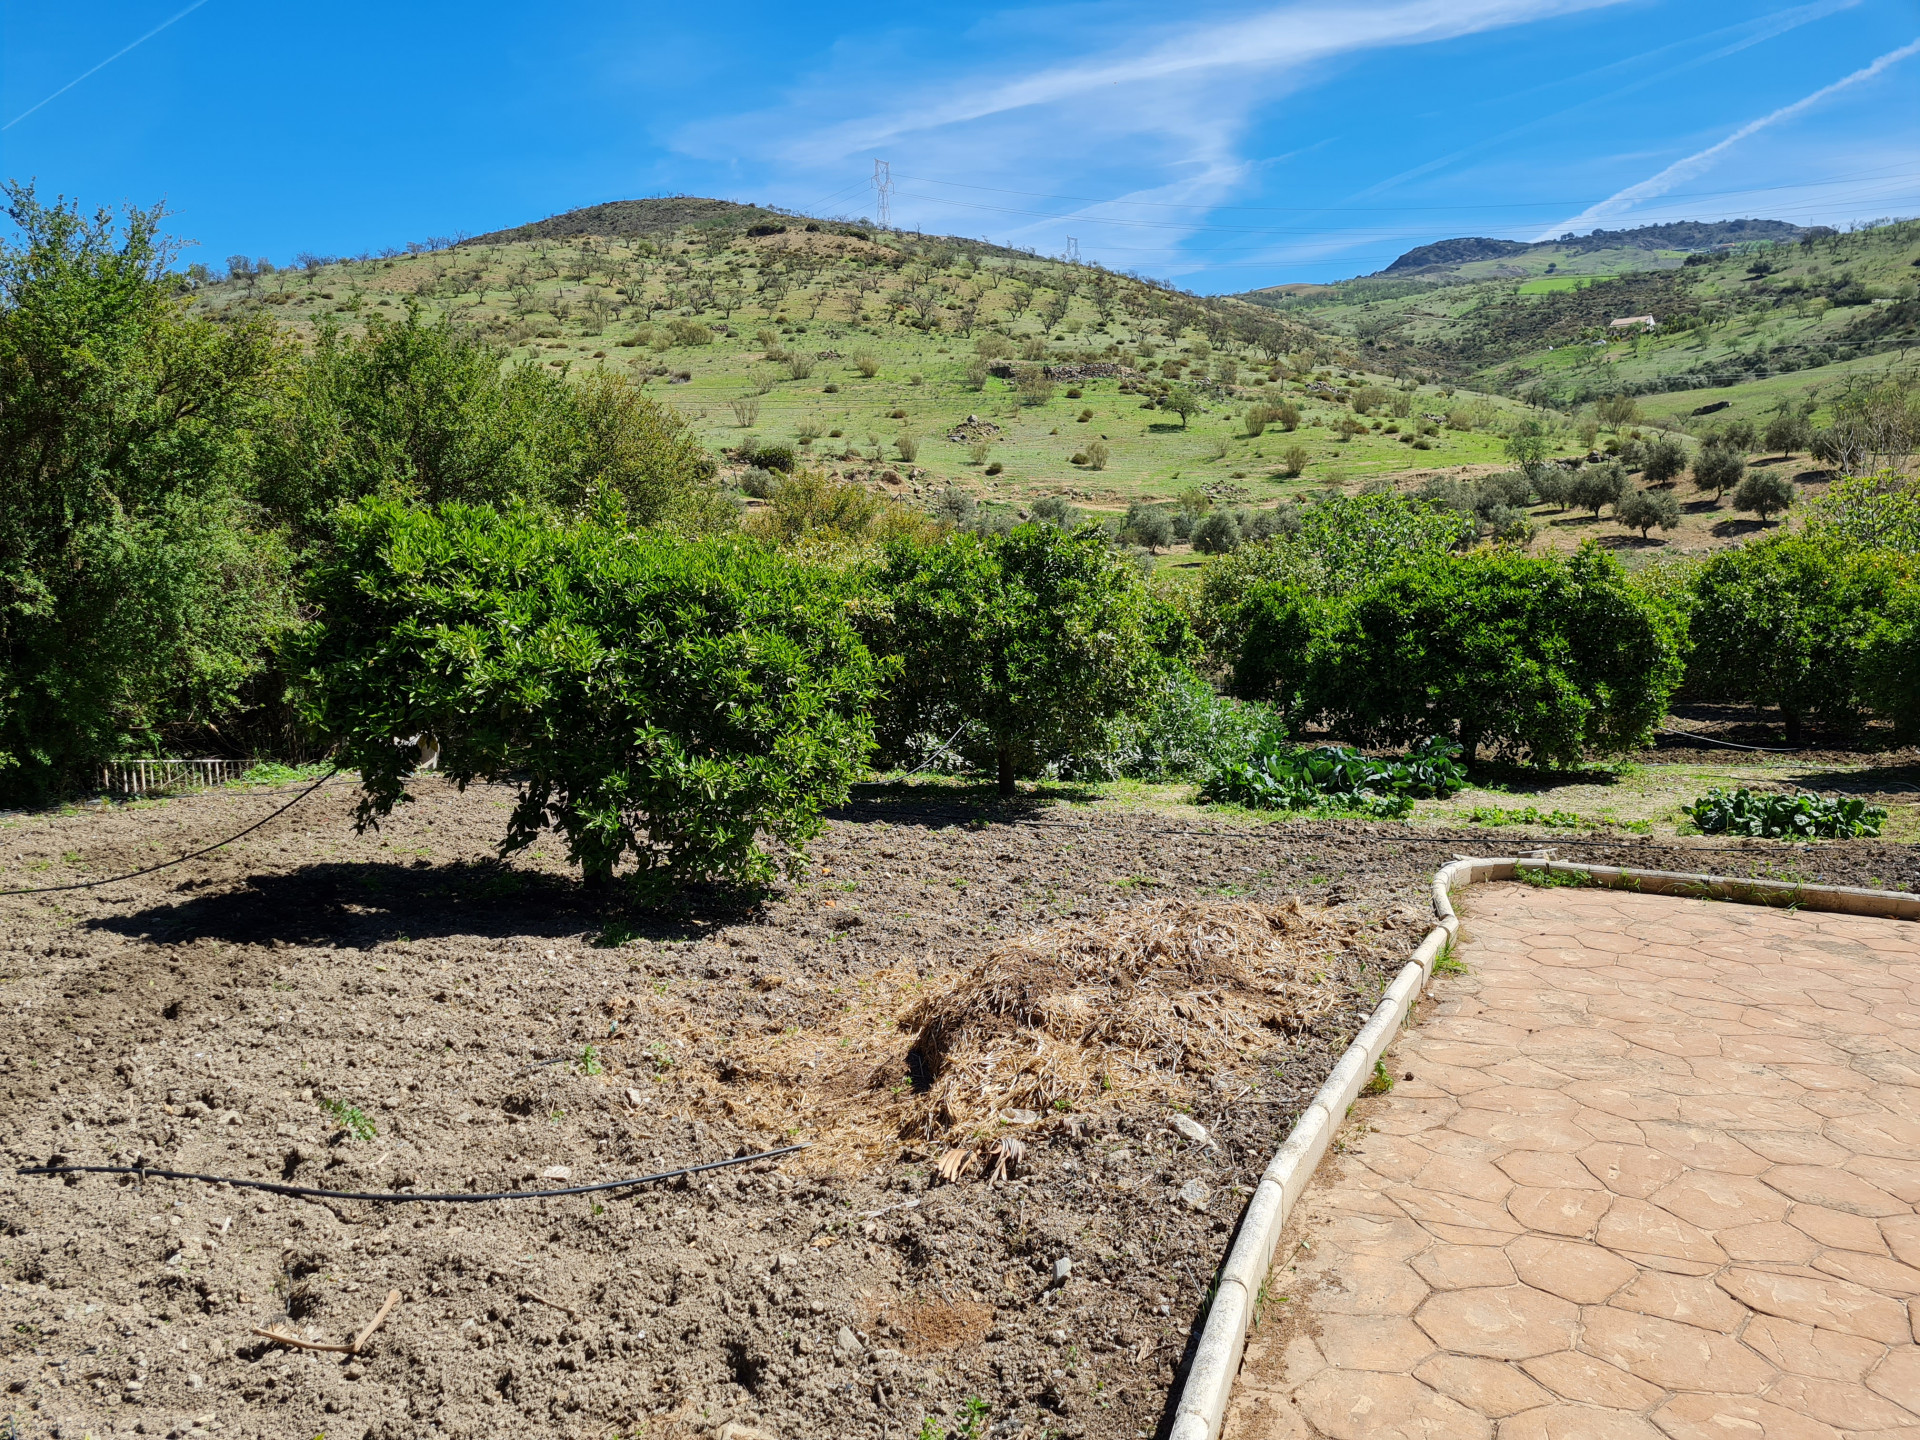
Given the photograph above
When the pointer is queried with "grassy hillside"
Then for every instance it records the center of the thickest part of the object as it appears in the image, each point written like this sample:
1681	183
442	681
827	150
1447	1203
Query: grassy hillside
764	327
1815	313
911	364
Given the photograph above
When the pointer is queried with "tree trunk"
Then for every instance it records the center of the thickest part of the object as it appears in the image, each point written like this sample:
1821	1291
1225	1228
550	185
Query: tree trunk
1006	771
1796	730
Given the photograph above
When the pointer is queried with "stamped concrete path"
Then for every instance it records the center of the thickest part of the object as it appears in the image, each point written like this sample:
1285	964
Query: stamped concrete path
1654	1176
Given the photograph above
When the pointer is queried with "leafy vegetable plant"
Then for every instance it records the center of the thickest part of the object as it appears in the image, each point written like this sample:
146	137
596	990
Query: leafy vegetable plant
1288	777
1772	816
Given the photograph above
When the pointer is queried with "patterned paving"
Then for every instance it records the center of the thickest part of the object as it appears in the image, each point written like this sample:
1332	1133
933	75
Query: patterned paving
1654	1178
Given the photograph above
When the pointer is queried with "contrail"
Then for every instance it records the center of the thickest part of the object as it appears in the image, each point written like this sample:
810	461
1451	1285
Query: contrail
104	63
1692	165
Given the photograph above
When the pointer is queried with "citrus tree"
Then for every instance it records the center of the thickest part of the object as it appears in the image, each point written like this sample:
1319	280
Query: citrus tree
659	702
1037	637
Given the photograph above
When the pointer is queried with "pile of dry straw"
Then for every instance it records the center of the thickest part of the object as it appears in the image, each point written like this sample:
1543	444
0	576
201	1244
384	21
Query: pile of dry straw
1084	1016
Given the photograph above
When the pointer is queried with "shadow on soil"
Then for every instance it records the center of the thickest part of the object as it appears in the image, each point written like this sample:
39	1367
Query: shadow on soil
367	904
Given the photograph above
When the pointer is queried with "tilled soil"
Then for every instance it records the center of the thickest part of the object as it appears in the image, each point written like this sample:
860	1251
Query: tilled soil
372	1012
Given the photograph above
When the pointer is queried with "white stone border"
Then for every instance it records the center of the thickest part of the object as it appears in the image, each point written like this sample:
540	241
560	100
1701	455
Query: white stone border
1216	1361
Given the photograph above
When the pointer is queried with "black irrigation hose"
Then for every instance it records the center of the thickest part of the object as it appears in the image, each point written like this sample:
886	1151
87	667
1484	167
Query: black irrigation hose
398	1197
1732	745
180	860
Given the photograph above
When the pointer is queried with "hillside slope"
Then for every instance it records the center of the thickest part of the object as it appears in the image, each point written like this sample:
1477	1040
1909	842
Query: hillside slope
764	327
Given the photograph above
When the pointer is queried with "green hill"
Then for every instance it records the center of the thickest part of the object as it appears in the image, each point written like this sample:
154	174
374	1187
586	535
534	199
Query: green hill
1760	315
762	326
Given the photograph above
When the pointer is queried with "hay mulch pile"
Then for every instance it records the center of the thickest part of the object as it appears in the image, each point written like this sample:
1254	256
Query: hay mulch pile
1139	1005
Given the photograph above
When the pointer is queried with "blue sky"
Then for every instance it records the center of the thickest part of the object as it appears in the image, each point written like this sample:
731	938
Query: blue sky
1220	145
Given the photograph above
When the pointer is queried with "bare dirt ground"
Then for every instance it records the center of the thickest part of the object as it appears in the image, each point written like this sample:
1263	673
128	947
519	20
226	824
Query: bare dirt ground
244	1013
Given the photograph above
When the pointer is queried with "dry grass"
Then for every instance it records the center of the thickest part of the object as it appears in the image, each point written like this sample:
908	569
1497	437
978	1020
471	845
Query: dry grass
1086	1016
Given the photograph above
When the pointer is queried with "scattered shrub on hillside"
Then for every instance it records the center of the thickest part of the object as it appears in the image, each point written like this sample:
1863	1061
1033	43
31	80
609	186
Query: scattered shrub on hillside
1785	622
1763	493
907	446
746	412
1293	460
1034	386
1217	533
1097	454
684	331
1666	459
1786	433
866	362
954	506
773	455
1772	816
1278	776
1147	526
977	373
1052	510
657	701
1036	637
1718	467
759	483
1643	510
1592	486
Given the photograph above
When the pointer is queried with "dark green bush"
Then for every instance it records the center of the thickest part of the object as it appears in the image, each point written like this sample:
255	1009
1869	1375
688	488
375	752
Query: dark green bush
1340	544
1553	659
775	456
1786	622
1772	816
1890	664
1642	510
1278	776
1034	638
656	699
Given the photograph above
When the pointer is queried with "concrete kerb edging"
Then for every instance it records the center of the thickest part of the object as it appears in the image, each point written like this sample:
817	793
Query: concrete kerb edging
1216	1360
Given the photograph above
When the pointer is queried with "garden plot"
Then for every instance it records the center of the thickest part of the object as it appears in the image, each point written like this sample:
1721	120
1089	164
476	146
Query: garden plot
399	1010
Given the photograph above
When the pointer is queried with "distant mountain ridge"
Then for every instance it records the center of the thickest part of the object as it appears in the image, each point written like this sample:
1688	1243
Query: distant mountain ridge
1691	235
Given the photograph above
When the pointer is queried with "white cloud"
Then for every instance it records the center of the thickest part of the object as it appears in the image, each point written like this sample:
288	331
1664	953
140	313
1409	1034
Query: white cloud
1698	163
1175	107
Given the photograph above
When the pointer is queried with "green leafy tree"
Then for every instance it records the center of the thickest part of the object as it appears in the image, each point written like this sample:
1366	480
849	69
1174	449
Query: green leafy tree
657	700
1718	467
140	595
1786	433
1217	533
1784	621
1890	664
1148	527
1872	511
1666	459
1528	443
1037	636
1551	659
1182	401
1764	494
432	412
1340	544
1643	510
